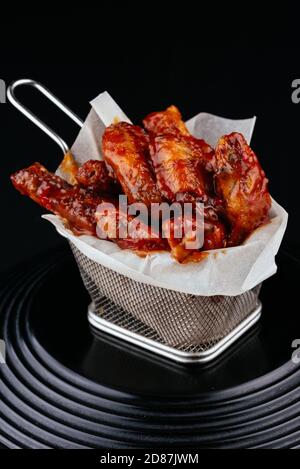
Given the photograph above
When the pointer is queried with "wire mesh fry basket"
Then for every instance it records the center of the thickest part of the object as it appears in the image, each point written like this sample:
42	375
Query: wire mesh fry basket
183	327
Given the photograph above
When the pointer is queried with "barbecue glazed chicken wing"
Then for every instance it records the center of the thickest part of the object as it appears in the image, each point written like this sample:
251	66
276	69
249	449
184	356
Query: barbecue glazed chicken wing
93	174
73	203
242	184
214	236
139	236
168	121
182	163
162	164
84	211
184	168
177	162
125	149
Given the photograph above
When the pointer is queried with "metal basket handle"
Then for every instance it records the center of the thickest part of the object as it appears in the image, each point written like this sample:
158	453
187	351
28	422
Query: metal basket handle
44	127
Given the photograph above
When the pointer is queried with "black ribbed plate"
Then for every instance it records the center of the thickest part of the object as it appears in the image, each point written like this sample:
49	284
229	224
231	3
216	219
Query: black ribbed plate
67	386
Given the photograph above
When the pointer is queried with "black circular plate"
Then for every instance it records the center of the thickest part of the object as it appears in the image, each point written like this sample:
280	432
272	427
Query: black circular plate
64	385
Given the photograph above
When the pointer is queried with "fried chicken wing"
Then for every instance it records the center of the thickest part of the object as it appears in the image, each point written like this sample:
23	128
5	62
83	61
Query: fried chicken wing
169	122
74	204
213	231
177	161
164	165
126	150
83	209
183	164
128	232
242	184
164	122
94	175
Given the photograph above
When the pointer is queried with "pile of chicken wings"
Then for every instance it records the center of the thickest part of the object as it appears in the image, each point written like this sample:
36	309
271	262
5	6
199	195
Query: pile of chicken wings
161	162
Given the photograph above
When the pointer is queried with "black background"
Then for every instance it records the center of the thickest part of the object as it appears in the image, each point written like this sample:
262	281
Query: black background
147	60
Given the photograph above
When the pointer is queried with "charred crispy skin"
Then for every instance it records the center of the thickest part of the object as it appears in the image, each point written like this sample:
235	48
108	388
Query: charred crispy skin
165	122
78	206
242	184
126	151
214	236
179	169
94	175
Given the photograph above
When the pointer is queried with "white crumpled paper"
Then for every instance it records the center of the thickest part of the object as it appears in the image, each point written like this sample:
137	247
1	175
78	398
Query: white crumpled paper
229	271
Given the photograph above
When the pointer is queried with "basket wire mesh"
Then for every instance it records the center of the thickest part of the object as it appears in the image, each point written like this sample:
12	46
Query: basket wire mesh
181	326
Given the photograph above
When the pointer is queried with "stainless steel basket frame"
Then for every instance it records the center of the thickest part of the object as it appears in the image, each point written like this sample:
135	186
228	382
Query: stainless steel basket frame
94	316
170	352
